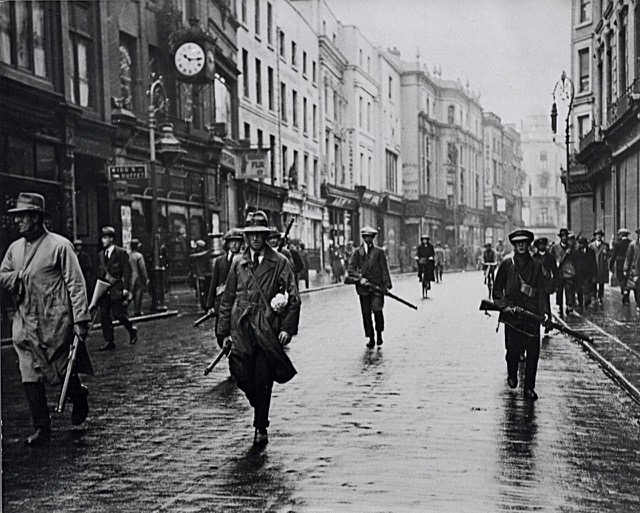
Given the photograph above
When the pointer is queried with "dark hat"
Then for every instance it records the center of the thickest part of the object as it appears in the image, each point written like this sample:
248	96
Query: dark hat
274	232
29	202
563	231
135	243
257	222
109	231
572	235
487	244
520	236
541	240
368	230
234	233
623	231
583	240
425	237
599	231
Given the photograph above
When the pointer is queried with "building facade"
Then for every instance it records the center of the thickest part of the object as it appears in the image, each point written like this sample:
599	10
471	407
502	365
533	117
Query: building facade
604	190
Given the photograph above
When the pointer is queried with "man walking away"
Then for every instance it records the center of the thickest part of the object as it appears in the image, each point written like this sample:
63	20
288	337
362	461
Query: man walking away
439	261
586	269
603	252
519	282
566	270
115	269
259	314
368	264
139	276
43	274
618	258
631	268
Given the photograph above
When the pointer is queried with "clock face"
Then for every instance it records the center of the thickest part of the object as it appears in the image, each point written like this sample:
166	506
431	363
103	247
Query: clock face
189	59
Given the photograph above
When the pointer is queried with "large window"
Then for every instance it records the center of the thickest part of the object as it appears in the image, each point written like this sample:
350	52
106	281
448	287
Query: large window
294	103
258	81
392	171
283	101
305	124
245	73
270	87
24	36
257	16
269	23
451	114
583	66
83	67
585	11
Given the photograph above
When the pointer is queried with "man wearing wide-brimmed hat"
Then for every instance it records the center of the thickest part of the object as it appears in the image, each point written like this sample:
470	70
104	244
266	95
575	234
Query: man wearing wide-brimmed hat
566	270
232	241
259	314
520	283
368	264
42	272
616	264
603	252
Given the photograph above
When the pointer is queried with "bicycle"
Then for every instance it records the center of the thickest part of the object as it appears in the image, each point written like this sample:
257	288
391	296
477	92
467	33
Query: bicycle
426	283
489	275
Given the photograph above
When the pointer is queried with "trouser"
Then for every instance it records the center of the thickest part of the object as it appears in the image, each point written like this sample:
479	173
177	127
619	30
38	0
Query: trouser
568	288
36	394
372	304
138	292
584	292
622	280
598	290
258	389
438	272
113	307
515	343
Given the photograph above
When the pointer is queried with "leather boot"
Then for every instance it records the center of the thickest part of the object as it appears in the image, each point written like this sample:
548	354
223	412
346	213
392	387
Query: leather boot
260	438
371	343
379	338
37	399
78	394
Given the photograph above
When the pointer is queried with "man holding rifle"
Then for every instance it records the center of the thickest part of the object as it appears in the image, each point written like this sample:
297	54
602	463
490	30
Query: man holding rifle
43	274
368	265
520	283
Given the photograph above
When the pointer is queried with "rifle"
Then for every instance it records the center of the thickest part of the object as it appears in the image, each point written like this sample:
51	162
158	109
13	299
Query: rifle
487	306
205	317
352	281
226	349
100	290
283	240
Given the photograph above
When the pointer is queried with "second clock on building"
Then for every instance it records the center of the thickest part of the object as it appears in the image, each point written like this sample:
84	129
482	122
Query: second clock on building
189	59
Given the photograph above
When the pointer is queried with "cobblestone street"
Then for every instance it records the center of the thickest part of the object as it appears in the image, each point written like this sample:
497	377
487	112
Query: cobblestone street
426	423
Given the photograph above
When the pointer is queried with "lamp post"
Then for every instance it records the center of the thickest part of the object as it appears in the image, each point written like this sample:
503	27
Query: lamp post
170	152
564	91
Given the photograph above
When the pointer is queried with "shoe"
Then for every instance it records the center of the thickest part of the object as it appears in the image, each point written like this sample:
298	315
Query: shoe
600	301
133	336
42	436
513	383
261	438
530	394
547	329
371	343
80	408
379	341
109	346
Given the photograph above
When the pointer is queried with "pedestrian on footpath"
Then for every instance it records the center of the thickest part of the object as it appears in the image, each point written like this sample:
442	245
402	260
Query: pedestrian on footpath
139	276
232	241
43	274
602	252
426	259
586	269
520	282
566	271
259	314
632	268
448	257
618	257
500	250
115	268
549	270
403	257
439	261
368	264
306	265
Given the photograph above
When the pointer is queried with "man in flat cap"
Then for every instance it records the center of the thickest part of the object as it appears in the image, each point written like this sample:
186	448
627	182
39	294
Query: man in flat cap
43	274
616	264
114	268
221	265
632	268
368	264
603	253
520	282
259	314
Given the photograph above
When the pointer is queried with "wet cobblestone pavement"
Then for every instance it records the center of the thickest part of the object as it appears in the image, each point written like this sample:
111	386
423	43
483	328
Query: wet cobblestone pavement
426	423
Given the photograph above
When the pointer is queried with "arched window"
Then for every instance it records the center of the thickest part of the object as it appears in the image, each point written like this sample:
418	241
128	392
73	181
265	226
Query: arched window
451	114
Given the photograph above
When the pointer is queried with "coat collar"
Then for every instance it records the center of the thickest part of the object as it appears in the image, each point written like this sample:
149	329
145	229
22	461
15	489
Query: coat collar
268	262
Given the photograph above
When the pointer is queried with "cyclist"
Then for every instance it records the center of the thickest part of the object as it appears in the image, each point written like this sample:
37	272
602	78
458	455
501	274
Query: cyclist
489	263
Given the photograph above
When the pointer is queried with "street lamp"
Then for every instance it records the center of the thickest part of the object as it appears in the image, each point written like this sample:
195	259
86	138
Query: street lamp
564	91
170	152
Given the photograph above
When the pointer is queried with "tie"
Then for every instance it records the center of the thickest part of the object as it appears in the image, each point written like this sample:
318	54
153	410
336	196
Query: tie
256	261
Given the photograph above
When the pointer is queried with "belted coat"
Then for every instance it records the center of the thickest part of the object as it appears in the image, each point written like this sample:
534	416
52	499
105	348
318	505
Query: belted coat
46	279
602	261
244	312
371	265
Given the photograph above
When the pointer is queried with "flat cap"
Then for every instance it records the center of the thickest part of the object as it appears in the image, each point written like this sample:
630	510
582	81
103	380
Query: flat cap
521	236
234	233
599	231
368	230
109	231
623	231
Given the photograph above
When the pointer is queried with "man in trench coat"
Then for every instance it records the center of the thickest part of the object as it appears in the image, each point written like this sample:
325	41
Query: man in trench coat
259	314
602	251
42	272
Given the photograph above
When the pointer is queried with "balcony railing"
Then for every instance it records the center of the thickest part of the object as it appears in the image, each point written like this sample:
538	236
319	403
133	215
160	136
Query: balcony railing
619	108
592	136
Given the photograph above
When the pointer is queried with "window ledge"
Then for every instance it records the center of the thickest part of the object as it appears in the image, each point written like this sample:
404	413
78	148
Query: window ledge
582	24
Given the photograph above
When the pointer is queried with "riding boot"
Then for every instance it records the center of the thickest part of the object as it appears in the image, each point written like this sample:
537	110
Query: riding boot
36	394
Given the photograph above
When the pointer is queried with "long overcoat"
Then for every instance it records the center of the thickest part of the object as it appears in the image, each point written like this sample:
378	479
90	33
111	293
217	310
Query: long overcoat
371	265
116	270
243	310
221	267
602	260
53	298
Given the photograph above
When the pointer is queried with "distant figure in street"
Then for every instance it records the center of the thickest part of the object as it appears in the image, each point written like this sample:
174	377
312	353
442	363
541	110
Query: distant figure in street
115	268
274	241
139	276
549	269
259	314
439	261
403	256
586	269
306	266
520	282
561	251
296	261
88	271
426	259
335	260
632	269
43	274
232	241
616	264
488	262
448	257
165	264
500	250
368	264
603	253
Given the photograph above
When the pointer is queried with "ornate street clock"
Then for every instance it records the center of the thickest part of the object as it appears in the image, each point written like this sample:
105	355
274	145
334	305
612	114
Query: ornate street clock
189	59
194	55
